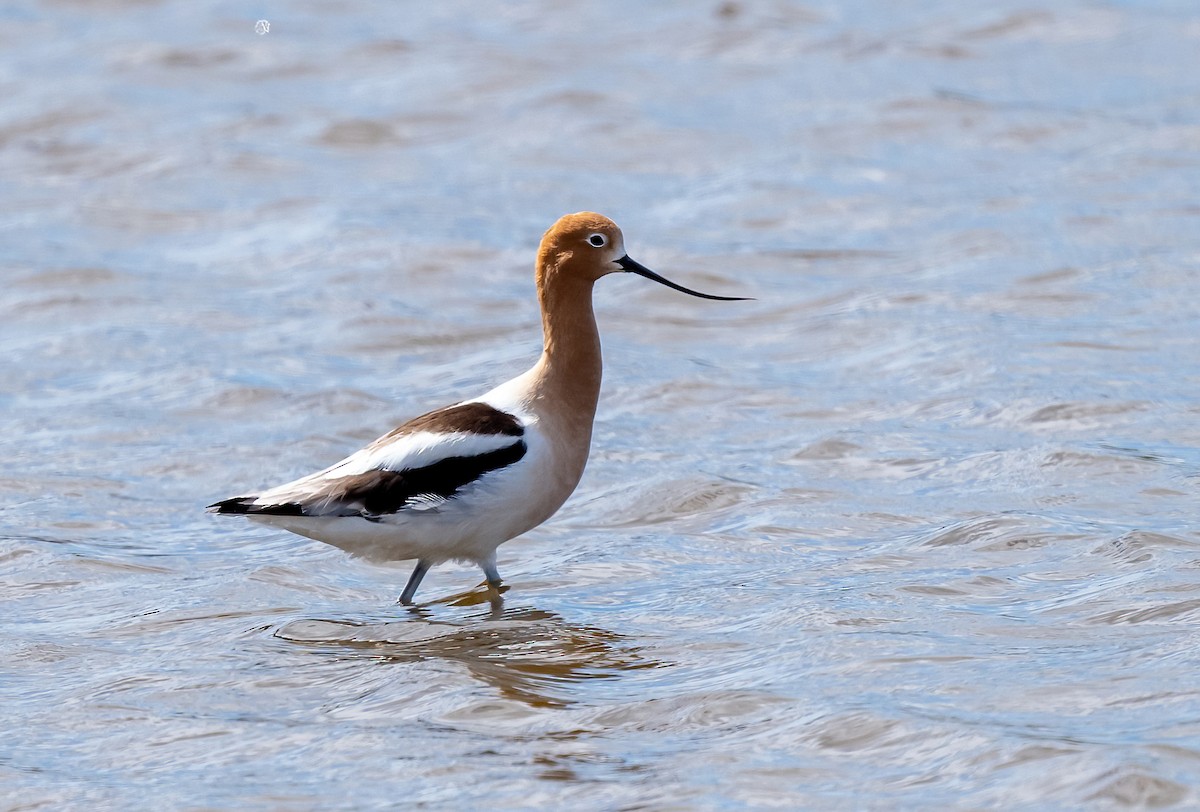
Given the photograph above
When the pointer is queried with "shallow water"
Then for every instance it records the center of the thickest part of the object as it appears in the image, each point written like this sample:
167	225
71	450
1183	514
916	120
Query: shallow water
917	528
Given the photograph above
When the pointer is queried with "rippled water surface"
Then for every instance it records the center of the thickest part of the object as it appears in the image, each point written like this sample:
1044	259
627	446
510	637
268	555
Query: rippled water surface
917	528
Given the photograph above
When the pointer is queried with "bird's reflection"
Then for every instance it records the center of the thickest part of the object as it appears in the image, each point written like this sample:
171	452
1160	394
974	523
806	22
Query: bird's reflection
525	653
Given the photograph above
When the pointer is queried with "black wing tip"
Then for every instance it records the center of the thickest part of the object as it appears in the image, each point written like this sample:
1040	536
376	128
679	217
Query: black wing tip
244	505
238	504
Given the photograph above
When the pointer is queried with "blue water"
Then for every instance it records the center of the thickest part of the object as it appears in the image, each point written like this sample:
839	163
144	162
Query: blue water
916	529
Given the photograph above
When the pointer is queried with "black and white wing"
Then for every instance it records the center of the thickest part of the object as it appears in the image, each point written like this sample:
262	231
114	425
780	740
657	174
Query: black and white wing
418	466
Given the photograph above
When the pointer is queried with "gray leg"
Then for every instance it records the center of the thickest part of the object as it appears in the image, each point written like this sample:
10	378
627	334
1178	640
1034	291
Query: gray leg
491	573
414	581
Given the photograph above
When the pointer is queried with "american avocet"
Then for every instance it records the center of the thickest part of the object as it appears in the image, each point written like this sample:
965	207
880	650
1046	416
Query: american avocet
458	482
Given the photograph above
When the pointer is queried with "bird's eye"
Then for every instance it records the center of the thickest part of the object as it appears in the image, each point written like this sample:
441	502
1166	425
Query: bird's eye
598	240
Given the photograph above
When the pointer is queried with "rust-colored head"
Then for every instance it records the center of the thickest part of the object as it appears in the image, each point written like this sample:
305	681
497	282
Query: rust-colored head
583	246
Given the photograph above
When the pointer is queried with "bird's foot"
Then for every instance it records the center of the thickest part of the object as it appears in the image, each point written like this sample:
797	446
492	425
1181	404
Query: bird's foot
491	593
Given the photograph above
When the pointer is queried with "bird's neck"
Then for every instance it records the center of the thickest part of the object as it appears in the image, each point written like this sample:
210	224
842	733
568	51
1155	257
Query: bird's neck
570	368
